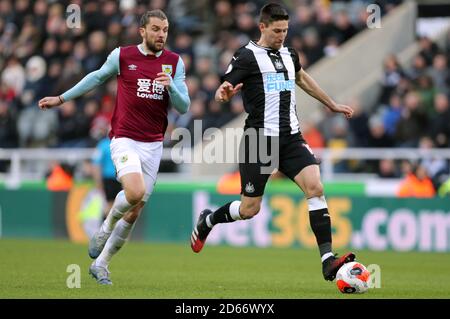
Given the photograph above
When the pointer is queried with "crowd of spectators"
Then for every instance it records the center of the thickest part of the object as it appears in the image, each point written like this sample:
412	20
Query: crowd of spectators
412	111
41	55
43	51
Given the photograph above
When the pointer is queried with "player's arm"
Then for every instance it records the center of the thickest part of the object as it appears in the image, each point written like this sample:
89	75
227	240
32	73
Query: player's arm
310	86
177	88
90	81
226	91
234	76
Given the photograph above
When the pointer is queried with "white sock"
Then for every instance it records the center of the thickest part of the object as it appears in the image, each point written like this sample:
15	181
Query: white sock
208	221
326	256
119	208
115	242
233	213
234	210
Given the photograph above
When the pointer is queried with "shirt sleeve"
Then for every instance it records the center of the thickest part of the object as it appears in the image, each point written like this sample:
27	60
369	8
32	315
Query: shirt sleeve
178	91
95	78
238	69
295	59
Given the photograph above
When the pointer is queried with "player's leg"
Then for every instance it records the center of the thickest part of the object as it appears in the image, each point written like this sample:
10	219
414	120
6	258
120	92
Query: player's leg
137	189
298	162
246	208
129	172
119	235
121	231
309	181
127	161
115	230
111	188
253	183
132	193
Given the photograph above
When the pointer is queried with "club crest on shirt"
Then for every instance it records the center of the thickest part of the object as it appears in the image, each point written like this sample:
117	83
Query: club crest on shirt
167	69
278	64
124	158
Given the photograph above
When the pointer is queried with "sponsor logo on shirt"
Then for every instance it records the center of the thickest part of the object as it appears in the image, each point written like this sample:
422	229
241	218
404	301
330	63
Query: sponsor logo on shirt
150	89
275	82
132	67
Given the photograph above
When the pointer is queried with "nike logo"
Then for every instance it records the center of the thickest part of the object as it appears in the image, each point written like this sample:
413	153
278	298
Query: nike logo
326	215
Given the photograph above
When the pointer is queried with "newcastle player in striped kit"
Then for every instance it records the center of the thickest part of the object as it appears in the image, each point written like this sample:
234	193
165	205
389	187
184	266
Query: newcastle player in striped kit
267	73
149	78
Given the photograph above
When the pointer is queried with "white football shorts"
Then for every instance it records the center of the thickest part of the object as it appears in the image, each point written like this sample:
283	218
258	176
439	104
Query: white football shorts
130	156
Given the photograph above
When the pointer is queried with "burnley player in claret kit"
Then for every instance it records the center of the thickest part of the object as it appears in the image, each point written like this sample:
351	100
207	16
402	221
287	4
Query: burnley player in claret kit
149	79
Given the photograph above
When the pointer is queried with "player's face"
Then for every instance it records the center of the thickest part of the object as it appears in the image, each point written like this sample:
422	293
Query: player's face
275	33
155	34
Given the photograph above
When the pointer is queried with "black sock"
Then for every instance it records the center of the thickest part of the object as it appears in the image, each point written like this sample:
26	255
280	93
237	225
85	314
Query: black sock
321	226
222	215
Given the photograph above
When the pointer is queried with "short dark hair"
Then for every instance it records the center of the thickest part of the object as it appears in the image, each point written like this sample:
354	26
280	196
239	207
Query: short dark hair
272	12
151	14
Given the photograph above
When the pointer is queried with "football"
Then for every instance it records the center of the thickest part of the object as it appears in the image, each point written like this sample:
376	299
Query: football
353	277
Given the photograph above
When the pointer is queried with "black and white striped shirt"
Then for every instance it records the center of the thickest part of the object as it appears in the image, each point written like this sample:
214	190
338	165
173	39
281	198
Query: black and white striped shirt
268	92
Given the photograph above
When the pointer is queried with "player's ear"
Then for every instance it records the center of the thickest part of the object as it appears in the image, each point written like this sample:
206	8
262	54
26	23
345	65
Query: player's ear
142	32
262	26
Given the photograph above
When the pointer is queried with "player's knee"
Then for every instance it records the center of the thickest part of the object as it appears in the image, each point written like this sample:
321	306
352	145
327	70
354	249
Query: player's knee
314	189
131	216
249	210
134	196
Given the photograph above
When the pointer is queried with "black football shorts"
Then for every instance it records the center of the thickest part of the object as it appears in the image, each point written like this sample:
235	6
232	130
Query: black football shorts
260	155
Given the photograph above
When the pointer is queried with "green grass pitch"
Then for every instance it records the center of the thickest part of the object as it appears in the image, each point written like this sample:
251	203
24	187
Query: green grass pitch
37	269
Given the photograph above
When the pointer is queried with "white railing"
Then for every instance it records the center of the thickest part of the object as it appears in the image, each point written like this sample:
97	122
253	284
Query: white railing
22	158
328	156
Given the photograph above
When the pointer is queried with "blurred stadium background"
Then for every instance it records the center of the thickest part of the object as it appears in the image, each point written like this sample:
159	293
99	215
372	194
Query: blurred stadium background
386	171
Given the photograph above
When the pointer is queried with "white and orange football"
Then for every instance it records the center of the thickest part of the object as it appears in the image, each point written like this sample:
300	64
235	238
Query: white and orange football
353	277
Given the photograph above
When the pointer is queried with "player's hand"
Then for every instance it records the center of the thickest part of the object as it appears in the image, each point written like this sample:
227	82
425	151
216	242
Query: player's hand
49	102
226	91
344	109
163	79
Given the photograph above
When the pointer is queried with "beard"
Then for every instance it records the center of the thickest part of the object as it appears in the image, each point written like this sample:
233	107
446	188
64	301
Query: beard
153	46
